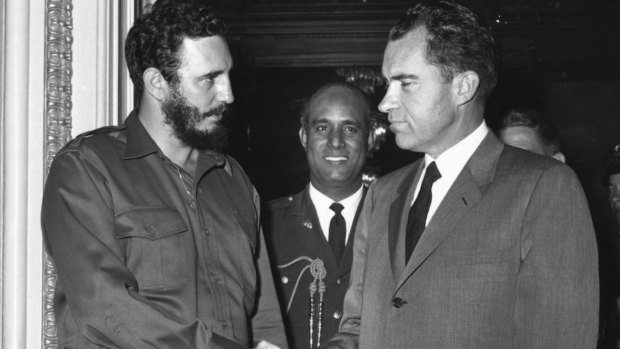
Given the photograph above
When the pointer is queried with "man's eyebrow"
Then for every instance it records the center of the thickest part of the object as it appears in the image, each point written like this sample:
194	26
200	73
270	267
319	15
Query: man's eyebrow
318	121
211	75
353	122
403	76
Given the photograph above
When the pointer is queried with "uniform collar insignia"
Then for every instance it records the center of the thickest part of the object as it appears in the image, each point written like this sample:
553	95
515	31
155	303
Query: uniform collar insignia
308	224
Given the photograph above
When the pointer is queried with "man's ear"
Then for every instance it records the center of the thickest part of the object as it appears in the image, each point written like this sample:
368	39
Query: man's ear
465	85
154	83
303	137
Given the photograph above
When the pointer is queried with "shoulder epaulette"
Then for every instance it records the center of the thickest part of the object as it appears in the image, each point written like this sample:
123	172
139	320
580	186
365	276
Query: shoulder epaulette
279	203
74	143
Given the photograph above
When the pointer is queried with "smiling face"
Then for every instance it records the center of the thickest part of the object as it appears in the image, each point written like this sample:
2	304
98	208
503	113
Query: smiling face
195	105
420	102
336	139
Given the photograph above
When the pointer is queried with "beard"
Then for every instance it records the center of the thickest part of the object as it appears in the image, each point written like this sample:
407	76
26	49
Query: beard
183	117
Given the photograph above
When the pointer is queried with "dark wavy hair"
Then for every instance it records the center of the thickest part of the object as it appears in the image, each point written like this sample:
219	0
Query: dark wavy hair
156	37
457	41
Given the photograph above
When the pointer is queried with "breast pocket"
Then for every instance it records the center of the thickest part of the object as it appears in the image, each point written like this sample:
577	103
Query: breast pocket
156	246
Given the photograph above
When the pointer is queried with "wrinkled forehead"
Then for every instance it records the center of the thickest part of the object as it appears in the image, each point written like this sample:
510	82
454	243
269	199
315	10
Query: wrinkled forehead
400	53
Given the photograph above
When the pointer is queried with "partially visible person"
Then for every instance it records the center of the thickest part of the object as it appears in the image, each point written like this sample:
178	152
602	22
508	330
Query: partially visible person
154	232
611	179
528	129
310	234
478	245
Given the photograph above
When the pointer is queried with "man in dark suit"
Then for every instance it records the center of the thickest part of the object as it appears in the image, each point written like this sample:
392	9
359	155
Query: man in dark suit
310	234
477	245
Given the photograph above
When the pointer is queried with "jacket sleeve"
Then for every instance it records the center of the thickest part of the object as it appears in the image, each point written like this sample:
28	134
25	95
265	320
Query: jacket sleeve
347	336
101	295
267	321
558	288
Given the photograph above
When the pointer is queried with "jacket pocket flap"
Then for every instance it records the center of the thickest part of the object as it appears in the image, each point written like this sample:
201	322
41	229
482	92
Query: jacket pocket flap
149	223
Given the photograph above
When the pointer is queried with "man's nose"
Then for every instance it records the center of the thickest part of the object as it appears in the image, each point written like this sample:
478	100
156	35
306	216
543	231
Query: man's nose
335	138
225	93
388	102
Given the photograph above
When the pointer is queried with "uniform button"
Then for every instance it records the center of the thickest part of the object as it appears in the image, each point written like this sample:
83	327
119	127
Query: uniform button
223	323
284	280
205	230
290	198
338	282
398	302
192	204
337	314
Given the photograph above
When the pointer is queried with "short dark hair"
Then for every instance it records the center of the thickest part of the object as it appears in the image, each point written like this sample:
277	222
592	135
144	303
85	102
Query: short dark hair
535	120
457	41
306	109
157	37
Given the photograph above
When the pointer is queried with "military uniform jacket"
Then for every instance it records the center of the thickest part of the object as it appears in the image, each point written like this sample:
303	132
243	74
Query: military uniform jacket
292	231
140	265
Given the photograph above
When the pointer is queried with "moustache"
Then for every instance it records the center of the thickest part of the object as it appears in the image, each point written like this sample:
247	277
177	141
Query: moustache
217	111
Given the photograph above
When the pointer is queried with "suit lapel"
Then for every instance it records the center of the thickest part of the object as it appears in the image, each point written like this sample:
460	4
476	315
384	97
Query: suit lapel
347	258
465	192
399	211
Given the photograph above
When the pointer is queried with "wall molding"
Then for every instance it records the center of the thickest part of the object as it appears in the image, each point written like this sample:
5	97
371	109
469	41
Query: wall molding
58	92
562	37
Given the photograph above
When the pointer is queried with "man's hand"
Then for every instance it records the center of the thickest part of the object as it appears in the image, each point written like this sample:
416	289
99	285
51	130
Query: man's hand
266	345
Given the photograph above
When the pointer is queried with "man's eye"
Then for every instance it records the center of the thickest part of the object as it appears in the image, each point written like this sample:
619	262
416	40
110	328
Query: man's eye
208	82
350	129
321	128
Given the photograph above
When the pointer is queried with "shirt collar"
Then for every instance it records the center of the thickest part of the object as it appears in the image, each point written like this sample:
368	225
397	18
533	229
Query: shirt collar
140	144
324	213
451	162
321	200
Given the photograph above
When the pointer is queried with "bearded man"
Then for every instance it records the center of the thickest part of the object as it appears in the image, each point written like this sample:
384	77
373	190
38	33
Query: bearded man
154	233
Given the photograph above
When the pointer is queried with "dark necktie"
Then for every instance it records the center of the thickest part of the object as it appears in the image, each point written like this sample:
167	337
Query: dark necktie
416	222
337	231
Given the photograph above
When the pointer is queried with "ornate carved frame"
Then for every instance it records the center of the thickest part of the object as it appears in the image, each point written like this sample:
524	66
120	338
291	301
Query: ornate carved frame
58	40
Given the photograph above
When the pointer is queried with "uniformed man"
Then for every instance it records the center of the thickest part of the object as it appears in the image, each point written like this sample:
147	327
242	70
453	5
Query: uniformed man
310	234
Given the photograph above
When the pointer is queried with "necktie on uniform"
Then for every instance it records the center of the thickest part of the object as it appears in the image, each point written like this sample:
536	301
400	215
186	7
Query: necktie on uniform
337	231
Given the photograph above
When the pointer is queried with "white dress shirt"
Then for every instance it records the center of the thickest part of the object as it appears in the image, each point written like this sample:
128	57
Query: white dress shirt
450	163
322	202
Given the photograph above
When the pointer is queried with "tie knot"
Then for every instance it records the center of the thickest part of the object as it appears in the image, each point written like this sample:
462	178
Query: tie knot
336	207
432	173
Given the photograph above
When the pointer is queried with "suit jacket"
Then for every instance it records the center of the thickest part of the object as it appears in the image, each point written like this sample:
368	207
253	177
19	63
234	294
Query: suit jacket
509	260
292	231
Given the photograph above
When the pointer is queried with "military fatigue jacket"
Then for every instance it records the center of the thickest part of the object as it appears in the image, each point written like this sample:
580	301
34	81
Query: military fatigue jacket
146	260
